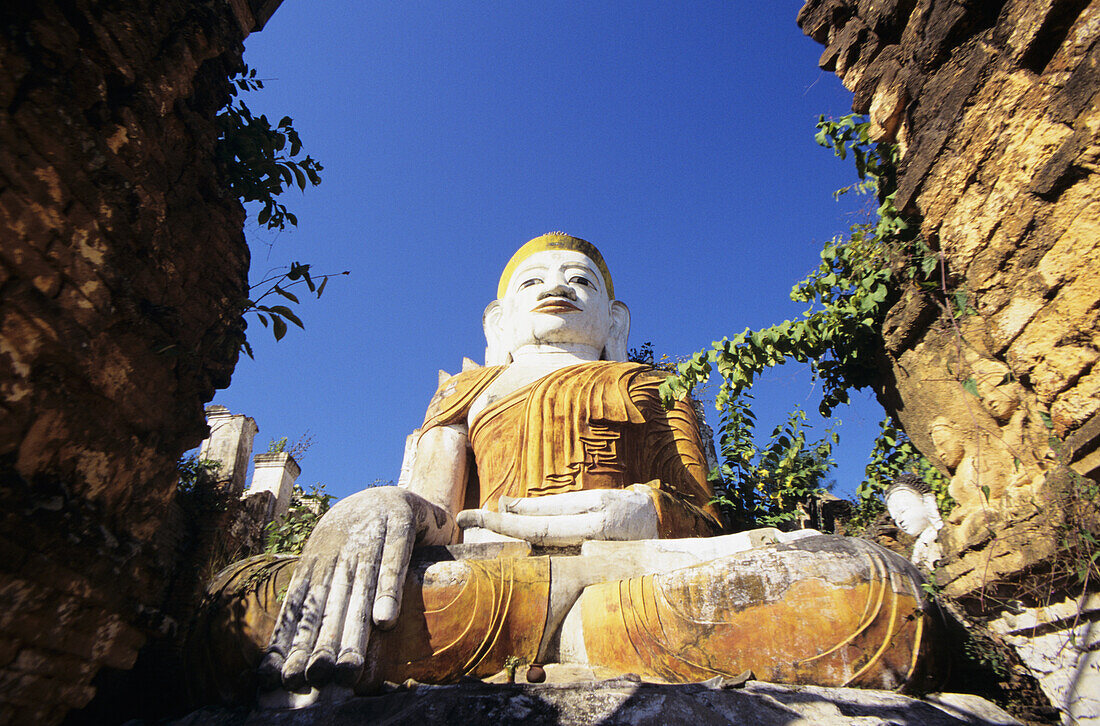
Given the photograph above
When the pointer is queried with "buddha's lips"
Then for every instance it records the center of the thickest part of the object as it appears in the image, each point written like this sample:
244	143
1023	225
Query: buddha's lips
557	305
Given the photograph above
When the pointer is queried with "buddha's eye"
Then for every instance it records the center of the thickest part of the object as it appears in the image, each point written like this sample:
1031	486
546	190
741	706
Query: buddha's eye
529	282
580	281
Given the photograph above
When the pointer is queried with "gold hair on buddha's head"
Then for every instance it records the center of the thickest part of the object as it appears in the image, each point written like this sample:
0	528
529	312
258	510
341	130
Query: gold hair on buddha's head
556	241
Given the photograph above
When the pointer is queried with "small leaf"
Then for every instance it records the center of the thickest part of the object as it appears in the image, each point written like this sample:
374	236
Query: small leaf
279	328
985	491
289	296
971	387
287	313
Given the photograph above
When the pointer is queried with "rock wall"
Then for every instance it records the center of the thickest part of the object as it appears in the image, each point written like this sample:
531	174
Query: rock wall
995	108
122	268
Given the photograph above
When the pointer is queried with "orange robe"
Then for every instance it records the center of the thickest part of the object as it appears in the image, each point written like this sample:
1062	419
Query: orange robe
594	425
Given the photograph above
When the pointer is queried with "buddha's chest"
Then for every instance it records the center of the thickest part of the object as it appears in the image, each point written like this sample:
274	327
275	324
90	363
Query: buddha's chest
510	380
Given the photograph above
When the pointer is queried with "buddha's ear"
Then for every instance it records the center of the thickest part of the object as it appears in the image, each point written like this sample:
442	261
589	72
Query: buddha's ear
615	349
492	320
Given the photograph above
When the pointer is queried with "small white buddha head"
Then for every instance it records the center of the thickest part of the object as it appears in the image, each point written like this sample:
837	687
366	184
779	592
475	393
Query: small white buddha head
912	505
556	290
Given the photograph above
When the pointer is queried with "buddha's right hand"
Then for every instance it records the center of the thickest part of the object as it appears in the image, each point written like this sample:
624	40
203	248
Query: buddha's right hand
351	573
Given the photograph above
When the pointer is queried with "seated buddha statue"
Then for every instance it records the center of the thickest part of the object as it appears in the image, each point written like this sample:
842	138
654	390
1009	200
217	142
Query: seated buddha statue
612	553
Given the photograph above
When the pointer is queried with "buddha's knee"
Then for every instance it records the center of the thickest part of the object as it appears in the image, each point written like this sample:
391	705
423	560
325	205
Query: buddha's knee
458	618
821	610
228	635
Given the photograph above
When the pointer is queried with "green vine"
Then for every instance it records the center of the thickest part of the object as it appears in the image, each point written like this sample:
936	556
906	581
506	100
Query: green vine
849	294
894	454
839	334
764	485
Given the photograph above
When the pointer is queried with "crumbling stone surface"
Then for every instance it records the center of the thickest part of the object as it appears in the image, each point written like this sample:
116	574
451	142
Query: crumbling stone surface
122	269
1060	643
995	109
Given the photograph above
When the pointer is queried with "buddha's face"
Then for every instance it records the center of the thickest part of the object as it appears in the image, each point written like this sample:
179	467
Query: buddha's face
556	296
908	509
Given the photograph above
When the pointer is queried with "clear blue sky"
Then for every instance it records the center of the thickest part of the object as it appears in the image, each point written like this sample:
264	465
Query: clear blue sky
677	137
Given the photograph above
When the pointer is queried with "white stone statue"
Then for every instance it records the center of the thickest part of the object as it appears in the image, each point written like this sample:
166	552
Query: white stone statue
912	505
571	447
555	310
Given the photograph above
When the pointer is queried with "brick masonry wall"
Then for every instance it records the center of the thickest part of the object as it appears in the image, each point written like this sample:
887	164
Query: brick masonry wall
995	108
122	267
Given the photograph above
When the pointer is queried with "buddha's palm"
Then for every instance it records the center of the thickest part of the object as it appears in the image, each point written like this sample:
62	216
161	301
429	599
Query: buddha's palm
572	517
351	574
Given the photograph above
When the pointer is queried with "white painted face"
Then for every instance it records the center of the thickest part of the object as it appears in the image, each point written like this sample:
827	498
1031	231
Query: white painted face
556	296
909	511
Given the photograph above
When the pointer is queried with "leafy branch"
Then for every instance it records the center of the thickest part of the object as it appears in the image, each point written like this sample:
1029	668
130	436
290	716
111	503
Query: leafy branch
764	485
288	535
280	284
849	294
258	161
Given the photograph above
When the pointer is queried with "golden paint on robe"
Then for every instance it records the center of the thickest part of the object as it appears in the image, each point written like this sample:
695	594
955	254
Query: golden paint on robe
597	425
458	617
231	629
723	618
464	617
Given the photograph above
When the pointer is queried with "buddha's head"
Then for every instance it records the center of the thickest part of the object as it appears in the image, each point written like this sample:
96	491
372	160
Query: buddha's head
912	505
556	291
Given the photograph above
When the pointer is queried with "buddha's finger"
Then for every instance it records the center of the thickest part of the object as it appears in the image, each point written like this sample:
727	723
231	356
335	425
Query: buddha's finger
469	518
542	530
322	663
271	667
357	622
309	624
396	552
581	502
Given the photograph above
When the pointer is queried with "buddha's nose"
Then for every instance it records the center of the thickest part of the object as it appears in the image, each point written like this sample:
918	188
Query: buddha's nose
559	290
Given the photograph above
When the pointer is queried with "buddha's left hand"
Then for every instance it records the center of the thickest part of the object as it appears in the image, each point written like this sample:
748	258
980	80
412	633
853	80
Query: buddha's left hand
572	517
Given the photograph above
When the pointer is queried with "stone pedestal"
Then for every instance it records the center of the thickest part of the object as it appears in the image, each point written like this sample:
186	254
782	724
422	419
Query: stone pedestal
229	444
626	702
275	473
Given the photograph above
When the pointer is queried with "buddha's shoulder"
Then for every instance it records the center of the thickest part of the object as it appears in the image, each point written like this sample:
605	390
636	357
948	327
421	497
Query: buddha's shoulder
457	392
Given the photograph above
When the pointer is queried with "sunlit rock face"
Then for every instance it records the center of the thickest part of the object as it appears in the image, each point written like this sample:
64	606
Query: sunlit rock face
993	106
629	702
